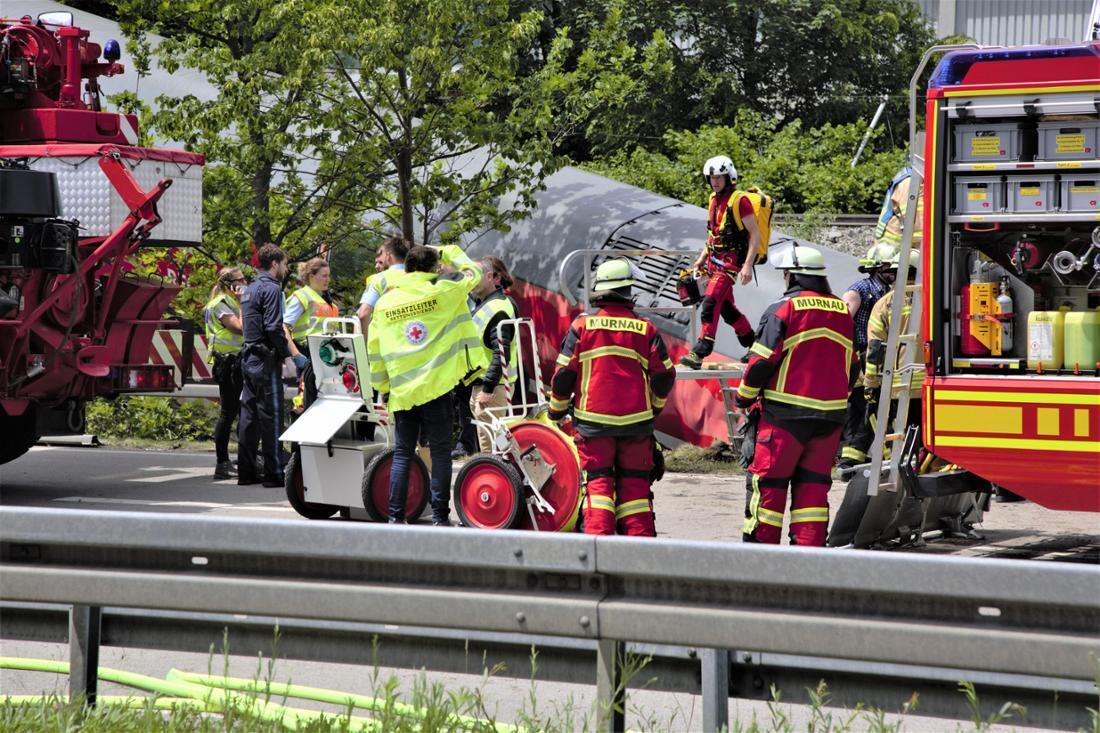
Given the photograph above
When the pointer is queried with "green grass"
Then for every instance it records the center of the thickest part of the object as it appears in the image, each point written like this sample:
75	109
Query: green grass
212	702
693	459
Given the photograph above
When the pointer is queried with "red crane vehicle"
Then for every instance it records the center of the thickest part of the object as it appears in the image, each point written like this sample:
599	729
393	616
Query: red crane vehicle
1004	348
78	196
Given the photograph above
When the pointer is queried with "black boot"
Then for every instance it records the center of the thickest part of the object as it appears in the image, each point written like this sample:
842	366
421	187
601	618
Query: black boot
224	470
694	358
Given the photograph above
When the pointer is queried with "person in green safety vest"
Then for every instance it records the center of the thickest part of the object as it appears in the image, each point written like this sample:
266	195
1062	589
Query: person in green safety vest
389	264
491	305
421	343
307	307
224	338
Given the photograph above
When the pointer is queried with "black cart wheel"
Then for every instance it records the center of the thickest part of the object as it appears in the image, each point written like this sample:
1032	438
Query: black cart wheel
296	492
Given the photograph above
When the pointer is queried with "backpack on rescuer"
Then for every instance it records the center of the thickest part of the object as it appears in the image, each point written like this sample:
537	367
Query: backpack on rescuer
762	205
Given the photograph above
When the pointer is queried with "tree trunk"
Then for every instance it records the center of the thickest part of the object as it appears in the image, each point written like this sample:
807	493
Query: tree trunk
404	170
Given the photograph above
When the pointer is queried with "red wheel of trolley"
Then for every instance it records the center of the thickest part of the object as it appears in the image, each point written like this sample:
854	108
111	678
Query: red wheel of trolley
563	489
376	487
489	494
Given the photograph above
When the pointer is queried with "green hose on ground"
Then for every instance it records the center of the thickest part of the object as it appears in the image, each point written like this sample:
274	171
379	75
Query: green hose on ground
128	701
330	696
214	699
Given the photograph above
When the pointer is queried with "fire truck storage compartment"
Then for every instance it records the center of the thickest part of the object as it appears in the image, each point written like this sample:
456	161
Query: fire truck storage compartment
1080	192
987	142
88	196
1034	194
1068	140
979	195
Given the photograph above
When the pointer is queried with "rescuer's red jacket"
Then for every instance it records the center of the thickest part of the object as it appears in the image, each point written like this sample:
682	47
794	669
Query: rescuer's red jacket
726	242
802	363
615	370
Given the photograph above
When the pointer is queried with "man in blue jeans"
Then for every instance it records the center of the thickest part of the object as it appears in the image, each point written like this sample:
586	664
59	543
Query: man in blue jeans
421	343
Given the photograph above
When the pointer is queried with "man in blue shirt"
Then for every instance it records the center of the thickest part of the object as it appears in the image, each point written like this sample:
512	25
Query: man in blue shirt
265	348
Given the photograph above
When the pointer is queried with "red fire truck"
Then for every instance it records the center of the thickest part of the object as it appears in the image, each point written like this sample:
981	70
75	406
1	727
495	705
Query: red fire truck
1011	269
78	197
1001	370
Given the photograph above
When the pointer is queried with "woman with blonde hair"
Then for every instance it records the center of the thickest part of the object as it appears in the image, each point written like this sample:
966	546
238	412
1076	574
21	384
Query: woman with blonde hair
307	307
224	338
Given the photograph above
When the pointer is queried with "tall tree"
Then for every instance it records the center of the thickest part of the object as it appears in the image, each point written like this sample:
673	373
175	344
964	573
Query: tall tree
264	183
459	103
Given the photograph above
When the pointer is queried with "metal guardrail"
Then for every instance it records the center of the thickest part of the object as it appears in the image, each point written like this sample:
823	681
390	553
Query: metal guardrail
973	616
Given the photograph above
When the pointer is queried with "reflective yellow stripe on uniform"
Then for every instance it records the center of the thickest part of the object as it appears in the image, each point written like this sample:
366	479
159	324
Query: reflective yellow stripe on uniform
850	453
810	514
749	393
630	508
752	517
767	516
801	401
597	417
613	351
603	503
563	360
761	350
558	405
659	402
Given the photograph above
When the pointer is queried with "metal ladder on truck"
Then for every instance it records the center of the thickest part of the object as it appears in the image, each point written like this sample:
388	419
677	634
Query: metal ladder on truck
888	508
897	379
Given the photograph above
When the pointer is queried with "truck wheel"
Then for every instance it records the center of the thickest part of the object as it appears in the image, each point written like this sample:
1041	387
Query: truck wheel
296	492
17	433
376	487
489	494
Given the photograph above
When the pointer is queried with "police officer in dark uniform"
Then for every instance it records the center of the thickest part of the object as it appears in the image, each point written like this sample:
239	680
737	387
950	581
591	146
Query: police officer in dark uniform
265	348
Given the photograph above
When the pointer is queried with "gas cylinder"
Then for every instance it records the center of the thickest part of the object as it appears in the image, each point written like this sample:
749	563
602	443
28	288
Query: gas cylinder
1004	300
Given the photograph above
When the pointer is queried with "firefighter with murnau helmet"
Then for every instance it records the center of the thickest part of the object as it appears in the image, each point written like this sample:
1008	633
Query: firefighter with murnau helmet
800	370
615	373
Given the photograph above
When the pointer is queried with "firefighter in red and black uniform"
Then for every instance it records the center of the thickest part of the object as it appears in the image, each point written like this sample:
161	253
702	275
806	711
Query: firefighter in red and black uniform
625	377
801	368
729	256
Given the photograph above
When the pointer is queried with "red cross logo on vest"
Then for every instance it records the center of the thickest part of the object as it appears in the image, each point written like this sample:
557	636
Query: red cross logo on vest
416	332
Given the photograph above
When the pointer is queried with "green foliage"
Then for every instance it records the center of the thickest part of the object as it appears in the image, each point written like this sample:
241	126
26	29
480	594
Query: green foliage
815	60
805	169
152	418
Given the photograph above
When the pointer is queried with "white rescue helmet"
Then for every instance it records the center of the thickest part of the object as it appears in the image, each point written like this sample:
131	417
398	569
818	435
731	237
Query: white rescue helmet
612	275
719	165
802	261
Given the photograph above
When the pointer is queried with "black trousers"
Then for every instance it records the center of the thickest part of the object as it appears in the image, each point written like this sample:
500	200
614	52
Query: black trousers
261	421
227	375
467	431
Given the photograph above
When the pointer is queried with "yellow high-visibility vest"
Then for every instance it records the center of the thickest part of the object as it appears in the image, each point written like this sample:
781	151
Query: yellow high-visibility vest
422	341
219	338
497	302
314	310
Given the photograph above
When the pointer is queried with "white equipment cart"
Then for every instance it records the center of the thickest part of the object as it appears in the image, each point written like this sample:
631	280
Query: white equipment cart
343	442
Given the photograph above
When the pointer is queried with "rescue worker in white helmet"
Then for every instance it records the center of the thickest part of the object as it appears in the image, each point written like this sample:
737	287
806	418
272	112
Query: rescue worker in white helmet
800	371
733	242
861	297
615	372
